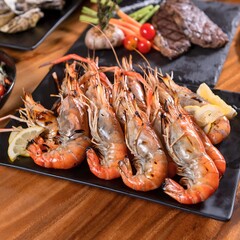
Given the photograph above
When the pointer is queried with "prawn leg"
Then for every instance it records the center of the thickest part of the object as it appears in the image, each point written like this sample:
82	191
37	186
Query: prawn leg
219	130
192	195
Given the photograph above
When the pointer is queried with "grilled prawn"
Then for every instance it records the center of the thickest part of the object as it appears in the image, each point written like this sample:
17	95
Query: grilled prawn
219	128
198	171
149	159
68	148
107	134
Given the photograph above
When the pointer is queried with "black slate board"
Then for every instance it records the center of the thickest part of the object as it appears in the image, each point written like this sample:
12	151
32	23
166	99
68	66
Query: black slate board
197	65
219	206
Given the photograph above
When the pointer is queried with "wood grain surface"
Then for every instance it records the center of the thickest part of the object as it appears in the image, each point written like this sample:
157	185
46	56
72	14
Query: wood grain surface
33	206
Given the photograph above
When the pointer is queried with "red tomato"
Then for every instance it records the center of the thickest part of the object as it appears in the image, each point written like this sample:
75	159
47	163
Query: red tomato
147	31
2	90
130	42
144	46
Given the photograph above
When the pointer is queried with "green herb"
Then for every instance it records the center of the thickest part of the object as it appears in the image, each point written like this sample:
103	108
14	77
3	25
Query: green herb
105	11
102	16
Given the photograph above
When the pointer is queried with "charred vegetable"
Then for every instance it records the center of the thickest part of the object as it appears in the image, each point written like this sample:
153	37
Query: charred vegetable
96	37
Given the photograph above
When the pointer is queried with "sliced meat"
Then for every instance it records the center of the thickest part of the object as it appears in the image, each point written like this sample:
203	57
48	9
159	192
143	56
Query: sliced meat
170	40
196	24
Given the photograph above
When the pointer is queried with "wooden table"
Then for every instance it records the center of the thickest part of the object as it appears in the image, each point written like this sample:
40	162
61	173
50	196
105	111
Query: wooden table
40	207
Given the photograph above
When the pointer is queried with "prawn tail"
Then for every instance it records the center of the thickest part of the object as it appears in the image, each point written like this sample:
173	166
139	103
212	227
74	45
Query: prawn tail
138	182
192	195
56	156
126	172
99	170
220	129
36	151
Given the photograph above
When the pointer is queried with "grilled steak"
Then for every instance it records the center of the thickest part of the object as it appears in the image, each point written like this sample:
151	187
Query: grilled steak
195	24
170	40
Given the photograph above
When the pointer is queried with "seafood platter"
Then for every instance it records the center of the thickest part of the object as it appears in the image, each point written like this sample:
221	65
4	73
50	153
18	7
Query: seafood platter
130	128
19	19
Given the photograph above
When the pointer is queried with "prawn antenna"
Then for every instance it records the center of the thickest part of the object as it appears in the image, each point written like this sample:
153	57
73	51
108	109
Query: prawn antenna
144	58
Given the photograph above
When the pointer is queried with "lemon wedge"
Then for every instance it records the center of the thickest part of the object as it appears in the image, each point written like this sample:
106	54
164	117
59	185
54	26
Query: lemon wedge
13	134
206	93
18	142
205	114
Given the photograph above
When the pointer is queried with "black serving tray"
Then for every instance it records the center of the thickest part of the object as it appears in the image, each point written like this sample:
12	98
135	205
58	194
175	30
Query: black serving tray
219	206
30	39
196	66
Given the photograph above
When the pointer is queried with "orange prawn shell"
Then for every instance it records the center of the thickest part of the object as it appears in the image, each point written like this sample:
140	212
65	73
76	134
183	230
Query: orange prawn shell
60	157
198	171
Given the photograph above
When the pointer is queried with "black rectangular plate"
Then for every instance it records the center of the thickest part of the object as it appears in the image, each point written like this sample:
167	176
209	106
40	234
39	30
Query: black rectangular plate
219	206
30	39
194	67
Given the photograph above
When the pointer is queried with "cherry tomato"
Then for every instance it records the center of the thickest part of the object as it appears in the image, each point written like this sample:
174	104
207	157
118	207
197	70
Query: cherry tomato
130	42
2	90
144	46
147	31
